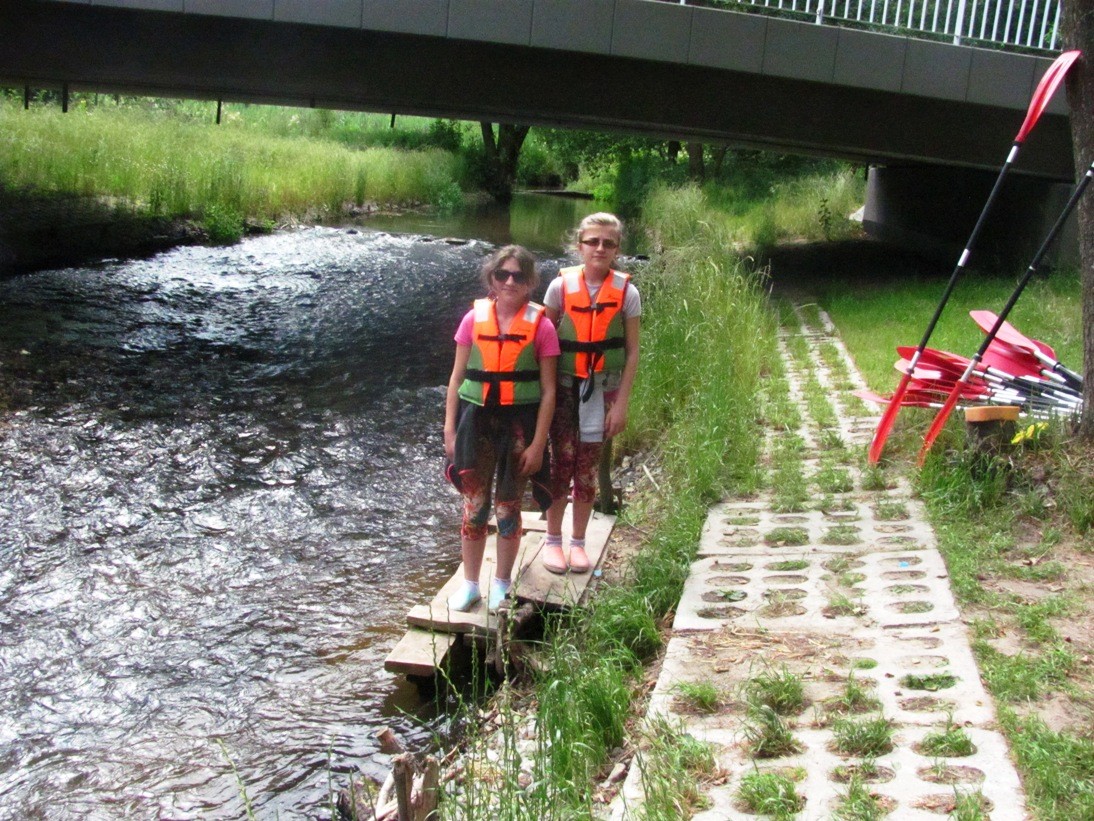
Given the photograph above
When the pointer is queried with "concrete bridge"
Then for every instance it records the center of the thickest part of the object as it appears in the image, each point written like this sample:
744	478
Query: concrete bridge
637	66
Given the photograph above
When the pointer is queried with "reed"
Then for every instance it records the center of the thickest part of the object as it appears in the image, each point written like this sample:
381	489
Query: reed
180	167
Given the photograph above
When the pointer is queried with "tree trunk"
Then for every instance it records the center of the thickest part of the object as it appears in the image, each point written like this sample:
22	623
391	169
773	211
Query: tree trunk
695	161
502	156
719	158
1077	27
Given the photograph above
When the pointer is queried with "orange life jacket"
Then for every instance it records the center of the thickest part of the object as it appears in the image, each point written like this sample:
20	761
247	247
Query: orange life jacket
591	333
502	368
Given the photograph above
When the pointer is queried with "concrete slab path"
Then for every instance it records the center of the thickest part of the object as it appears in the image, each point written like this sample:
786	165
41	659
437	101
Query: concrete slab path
849	590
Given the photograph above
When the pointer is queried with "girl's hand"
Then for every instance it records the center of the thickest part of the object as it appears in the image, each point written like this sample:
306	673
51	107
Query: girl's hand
450	444
530	460
615	420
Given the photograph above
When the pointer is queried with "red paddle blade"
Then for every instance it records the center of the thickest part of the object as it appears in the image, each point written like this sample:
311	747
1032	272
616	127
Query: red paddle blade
941	360
1015	361
919	372
1045	89
1009	334
885	424
939	423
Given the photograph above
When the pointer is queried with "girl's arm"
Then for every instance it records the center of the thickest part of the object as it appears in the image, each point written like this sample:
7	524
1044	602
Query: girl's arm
532	456
615	420
452	399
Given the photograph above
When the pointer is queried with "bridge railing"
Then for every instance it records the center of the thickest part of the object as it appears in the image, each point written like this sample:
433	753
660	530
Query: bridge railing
1026	24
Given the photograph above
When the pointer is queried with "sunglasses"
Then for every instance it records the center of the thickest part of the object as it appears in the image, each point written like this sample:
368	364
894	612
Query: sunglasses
501	275
607	244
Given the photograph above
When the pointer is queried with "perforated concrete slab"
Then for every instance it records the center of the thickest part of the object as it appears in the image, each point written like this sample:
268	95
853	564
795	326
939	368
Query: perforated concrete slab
850	596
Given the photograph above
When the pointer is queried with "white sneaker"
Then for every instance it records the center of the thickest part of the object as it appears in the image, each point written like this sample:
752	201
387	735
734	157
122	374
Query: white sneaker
465	598
498	591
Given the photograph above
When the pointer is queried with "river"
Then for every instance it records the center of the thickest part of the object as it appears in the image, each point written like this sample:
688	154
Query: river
220	475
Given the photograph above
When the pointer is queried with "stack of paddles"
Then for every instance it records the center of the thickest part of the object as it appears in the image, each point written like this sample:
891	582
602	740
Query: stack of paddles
1014	370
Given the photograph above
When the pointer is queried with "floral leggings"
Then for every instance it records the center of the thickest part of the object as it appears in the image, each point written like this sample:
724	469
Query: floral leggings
572	459
476	490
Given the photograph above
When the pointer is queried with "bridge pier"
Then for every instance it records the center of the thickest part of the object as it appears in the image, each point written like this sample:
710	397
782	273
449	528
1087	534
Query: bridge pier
932	210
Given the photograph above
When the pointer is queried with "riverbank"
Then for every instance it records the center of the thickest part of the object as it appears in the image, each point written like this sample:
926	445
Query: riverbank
40	231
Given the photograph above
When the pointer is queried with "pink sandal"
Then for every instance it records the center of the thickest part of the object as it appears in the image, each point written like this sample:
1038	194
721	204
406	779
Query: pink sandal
553	559
579	560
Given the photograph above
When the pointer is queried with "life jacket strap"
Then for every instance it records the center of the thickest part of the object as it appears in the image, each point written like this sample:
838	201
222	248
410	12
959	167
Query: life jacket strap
495	377
573	346
595	308
502	338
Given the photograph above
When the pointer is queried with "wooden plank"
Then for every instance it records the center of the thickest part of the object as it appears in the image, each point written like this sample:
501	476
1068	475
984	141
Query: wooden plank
420	652
436	616
533	583
540	586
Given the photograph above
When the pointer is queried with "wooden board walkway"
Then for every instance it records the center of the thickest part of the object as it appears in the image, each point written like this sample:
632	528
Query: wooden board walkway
435	630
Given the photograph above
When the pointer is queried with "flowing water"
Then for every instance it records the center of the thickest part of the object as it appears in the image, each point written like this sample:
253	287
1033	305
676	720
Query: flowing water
220	491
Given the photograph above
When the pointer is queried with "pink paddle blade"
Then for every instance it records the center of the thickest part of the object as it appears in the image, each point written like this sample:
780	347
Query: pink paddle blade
1015	361
933	358
904	366
1045	89
1009	334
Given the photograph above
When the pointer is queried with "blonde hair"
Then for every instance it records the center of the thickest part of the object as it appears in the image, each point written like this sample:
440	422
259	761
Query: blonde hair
601	218
524	259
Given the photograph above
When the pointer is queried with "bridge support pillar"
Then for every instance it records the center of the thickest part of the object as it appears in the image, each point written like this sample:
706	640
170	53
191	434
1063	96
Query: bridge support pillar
933	210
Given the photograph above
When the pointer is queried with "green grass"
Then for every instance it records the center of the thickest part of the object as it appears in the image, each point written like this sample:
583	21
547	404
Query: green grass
811	206
930	682
970	807
1058	767
791	489
770	795
859	804
833	479
880	312
701	696
780	690
767	734
856	698
952	741
840	604
673	769
179	166
869	737
787	566
1024	677
841	535
787	536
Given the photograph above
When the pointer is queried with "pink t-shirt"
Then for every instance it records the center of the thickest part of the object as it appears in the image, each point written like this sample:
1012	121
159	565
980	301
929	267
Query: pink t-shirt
546	341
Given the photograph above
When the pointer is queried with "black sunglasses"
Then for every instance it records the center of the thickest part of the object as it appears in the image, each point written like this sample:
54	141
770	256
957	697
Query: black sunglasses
501	275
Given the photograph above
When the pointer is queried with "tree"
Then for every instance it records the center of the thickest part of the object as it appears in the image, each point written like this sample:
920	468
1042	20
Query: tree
502	156
696	169
1077	27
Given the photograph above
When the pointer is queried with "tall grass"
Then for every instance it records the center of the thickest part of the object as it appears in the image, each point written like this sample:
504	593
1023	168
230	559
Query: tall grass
707	338
176	166
813	206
